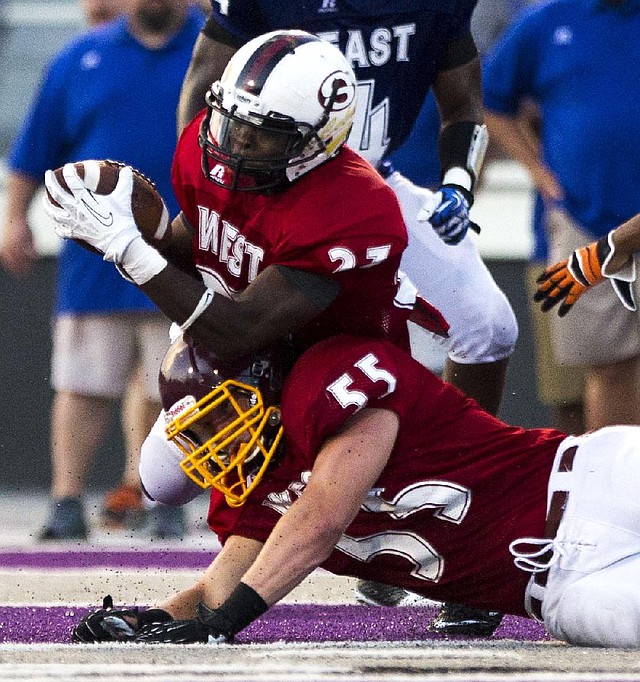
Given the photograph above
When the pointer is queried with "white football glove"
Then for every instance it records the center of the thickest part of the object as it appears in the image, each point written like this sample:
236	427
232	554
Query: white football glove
104	221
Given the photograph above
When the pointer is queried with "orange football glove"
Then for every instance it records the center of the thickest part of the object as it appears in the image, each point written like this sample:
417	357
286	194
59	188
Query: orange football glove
566	281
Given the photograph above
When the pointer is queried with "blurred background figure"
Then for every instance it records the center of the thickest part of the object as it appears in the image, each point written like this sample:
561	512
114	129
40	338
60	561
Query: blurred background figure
100	11
565	57
559	386
111	93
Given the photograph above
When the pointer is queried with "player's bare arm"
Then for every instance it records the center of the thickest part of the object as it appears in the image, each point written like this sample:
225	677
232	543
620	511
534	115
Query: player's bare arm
458	89
462	142
177	248
307	534
626	239
218	581
279	301
458	92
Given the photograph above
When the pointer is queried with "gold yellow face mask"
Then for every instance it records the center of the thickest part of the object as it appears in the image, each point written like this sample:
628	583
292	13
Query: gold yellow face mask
228	438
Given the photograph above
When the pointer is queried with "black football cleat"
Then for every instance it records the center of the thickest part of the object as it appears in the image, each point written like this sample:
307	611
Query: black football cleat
458	619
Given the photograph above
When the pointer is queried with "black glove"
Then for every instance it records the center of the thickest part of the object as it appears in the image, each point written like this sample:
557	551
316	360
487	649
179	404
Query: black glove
212	626
115	625
209	626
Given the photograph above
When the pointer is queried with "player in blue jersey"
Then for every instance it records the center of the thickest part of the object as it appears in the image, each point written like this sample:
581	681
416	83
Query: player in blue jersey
398	54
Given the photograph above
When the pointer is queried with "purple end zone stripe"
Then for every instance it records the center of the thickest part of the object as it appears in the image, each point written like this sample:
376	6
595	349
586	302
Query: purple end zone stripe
282	623
112	558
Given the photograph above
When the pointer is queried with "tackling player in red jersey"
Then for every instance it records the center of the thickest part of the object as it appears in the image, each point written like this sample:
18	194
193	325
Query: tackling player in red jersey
374	467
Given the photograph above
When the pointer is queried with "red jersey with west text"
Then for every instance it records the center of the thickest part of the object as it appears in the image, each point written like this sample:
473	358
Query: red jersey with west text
459	486
340	220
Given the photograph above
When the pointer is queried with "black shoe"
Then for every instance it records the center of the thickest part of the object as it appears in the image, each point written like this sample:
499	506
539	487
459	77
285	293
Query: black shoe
370	593
66	521
168	523
457	619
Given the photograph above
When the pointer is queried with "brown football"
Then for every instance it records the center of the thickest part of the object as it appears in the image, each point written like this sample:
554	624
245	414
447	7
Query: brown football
148	208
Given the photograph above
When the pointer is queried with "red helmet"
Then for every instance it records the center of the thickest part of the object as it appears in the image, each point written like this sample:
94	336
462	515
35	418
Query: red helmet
222	415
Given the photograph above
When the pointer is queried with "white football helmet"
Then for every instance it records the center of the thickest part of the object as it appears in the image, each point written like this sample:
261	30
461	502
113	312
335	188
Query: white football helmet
284	105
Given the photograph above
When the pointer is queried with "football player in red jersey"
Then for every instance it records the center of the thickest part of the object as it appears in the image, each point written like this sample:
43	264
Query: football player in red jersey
288	230
387	472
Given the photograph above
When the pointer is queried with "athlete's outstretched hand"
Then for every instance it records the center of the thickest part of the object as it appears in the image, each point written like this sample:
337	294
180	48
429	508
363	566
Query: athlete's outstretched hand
566	281
115	625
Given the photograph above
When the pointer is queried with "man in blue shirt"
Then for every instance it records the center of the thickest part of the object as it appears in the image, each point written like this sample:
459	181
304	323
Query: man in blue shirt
577	61
111	93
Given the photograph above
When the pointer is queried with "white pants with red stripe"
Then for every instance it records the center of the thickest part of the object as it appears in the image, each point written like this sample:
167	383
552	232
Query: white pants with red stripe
592	592
483	326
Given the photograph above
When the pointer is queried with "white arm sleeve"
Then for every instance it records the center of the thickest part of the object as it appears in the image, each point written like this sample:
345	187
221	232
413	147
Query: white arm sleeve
160	474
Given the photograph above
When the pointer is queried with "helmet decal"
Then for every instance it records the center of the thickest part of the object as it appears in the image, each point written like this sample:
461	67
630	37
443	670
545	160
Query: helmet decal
337	91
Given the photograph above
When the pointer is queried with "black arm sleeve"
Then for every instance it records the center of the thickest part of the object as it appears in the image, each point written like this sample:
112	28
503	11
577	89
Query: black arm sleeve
318	289
278	302
458	52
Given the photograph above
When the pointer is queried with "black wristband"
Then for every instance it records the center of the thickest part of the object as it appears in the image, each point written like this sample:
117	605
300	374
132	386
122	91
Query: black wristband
241	608
453	147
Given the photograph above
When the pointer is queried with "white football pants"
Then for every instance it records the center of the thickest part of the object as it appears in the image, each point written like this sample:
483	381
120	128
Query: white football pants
592	595
483	326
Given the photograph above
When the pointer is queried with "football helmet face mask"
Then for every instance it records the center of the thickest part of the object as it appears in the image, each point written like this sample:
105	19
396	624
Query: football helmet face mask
222	417
284	105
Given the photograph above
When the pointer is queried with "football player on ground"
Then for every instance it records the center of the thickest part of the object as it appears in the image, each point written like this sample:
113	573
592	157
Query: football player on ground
278	247
442	498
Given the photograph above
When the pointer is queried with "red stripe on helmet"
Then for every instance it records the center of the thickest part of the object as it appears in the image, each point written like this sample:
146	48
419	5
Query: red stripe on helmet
259	66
